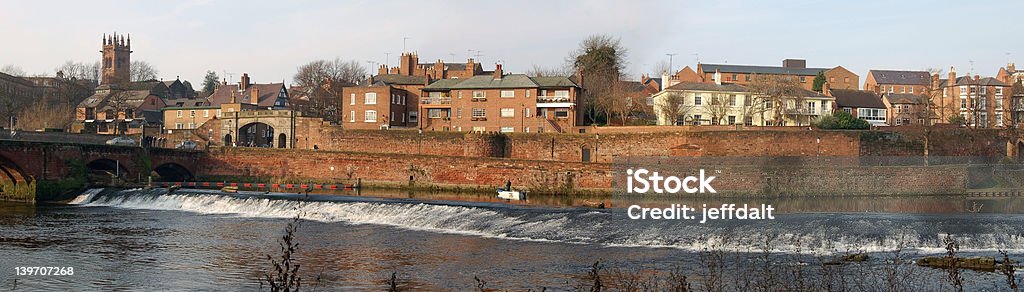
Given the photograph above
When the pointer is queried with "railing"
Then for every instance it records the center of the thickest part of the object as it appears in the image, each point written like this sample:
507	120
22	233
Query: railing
436	100
553	99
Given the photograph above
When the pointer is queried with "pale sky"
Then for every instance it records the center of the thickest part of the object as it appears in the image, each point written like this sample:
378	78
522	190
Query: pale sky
269	39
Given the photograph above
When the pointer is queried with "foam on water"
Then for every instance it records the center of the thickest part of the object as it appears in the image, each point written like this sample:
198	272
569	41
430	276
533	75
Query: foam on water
802	233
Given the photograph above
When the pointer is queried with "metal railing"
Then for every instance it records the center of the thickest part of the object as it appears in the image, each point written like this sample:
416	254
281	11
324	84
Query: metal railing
436	100
553	99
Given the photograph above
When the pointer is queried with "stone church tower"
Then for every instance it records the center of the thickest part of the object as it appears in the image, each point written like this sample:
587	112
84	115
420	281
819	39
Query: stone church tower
116	59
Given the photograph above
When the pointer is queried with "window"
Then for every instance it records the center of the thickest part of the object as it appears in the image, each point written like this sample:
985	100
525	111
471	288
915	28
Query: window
561	113
458	111
803	79
999	104
911	90
824	106
746	100
871	114
963	103
748	77
206	113
696	120
192	114
479	129
696	100
732	100
507	129
508	112
370	116
999	90
899	122
903	89
352	116
218	112
479	113
749	121
732	120
479	94
392	116
527	111
434	113
812	107
508	93
370	98
179	113
179	126
527	95
735	77
352	99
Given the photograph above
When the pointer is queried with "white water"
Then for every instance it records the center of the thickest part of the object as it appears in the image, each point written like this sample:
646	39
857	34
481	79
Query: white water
817	235
85	197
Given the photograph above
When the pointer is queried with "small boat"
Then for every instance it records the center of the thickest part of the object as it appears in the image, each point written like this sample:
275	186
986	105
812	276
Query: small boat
595	205
511	194
229	189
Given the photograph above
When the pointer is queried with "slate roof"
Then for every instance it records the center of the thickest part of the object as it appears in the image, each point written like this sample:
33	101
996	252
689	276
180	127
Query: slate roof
701	86
399	79
553	81
901	77
267	98
187	102
451	66
902	98
443	84
711	68
857	98
967	80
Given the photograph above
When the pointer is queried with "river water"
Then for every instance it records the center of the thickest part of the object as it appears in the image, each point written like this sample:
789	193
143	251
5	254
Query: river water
206	240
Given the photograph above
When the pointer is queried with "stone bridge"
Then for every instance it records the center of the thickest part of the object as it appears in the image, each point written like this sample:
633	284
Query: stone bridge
28	166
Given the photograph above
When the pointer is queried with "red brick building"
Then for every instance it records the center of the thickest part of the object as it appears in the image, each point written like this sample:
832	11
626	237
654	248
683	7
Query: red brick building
797	68
982	102
377	105
902	82
500	103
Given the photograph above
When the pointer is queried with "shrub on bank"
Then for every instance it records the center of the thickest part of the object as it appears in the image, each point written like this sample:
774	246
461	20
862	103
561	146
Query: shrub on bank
841	120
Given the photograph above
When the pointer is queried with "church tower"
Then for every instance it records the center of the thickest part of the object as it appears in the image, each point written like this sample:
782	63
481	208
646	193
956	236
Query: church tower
116	59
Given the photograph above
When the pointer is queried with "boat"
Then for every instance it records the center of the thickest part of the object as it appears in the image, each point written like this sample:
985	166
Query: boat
229	189
511	194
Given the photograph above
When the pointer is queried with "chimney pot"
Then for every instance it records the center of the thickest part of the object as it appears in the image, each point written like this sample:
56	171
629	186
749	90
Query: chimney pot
497	71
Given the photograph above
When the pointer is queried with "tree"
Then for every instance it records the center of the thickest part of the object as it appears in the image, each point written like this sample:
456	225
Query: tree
776	91
43	115
819	82
118	101
673	108
79	70
13	70
957	120
142	71
841	120
324	80
600	59
541	71
210	82
718	107
662	67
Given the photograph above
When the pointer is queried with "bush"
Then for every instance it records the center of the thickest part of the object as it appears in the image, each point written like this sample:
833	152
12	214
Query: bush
841	120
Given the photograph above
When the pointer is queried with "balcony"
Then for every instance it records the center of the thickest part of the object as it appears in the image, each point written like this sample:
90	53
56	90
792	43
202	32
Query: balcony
554	101
437	100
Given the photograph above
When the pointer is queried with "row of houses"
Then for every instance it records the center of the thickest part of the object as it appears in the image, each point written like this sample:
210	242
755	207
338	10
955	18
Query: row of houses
722	94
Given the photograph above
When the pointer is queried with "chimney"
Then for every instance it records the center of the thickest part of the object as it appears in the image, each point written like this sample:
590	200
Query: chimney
718	77
935	81
794	63
254	96
369	80
382	70
1011	67
825	89
644	78
245	82
952	77
470	67
976	77
497	72
233	97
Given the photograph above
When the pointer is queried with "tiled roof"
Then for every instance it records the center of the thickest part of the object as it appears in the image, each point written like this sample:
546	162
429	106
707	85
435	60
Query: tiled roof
711	68
967	80
708	87
389	79
267	94
901	77
443	84
856	98
553	81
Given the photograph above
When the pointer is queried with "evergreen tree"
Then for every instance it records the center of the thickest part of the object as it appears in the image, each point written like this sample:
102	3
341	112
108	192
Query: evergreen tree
819	81
210	83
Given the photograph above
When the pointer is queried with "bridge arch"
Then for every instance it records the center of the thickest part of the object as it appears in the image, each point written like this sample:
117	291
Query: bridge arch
256	134
107	167
173	172
11	173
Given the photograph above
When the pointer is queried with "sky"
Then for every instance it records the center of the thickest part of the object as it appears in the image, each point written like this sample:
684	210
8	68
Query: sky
270	39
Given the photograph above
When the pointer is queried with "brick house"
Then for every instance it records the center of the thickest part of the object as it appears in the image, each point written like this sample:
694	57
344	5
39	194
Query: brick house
982	102
1010	74
904	109
744	74
861	104
892	81
119	108
269	95
500	103
376	105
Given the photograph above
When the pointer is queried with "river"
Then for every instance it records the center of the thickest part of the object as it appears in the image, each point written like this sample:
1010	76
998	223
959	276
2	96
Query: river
206	240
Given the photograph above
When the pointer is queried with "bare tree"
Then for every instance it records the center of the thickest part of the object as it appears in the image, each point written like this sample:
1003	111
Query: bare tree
753	105
42	115
142	71
8	108
324	80
118	101
662	67
718	106
674	108
776	91
72	70
13	70
541	71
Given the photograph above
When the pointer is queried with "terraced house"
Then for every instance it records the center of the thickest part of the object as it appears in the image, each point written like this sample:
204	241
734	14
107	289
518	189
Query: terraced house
500	103
839	77
982	102
699	103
